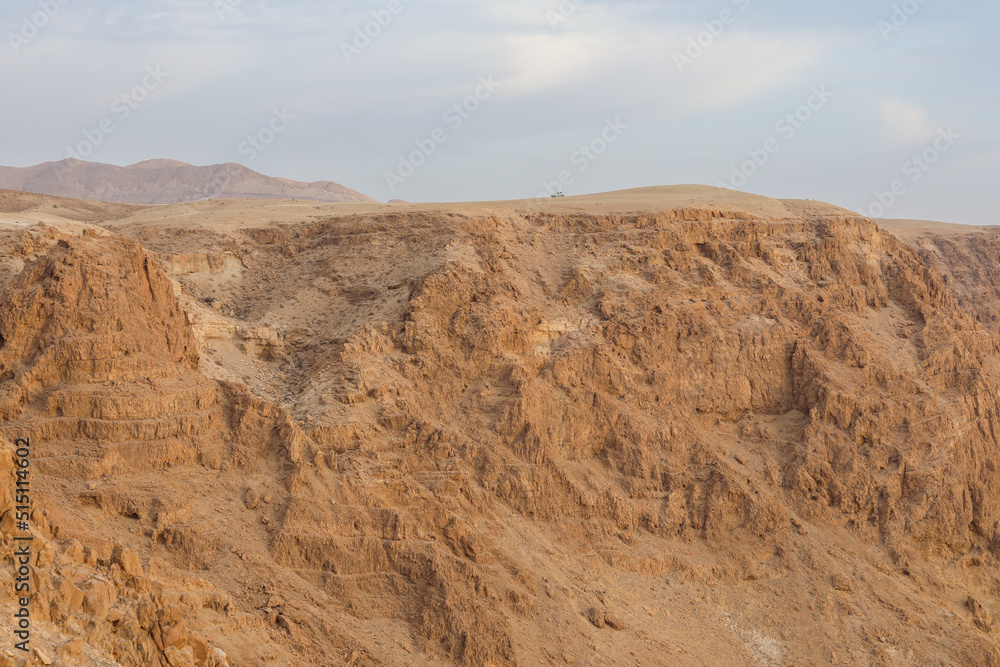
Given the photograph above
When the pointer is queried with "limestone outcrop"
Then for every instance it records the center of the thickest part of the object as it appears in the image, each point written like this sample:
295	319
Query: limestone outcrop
682	436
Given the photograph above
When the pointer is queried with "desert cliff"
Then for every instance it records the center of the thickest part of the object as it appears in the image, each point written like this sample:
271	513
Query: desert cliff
671	426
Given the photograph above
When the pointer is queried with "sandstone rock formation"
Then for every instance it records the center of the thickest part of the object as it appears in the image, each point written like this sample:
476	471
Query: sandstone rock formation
654	429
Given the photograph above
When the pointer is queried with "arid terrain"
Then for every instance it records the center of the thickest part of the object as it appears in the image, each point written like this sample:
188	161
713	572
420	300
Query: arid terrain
164	182
668	426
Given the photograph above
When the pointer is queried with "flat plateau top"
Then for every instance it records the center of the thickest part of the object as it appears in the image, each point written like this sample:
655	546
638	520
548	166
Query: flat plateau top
18	208
908	229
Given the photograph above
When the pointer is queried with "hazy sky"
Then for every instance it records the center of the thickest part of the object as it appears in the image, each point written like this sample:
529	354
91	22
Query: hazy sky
787	98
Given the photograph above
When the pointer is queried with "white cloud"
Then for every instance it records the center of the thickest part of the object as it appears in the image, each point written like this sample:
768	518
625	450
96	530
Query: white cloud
906	123
540	62
740	67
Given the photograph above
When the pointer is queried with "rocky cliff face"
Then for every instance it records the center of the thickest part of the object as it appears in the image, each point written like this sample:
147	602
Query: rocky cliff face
685	436
164	182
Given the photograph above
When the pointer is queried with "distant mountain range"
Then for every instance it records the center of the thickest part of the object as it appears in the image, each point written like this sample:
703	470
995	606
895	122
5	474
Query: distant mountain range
164	182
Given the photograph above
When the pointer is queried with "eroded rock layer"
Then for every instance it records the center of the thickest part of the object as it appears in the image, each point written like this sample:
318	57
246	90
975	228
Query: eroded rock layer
684	435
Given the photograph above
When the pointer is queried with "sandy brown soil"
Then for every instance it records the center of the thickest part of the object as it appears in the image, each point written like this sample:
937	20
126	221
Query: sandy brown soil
666	426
